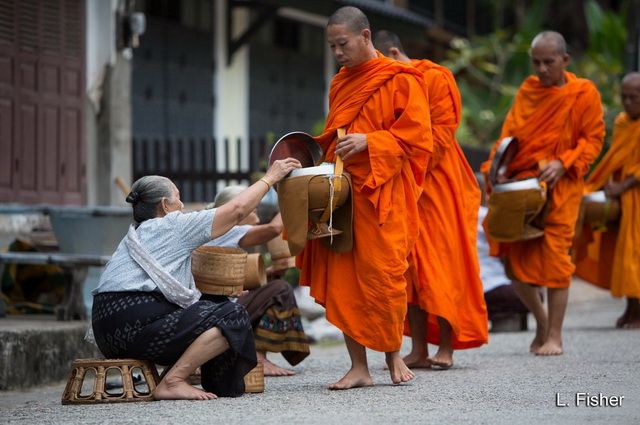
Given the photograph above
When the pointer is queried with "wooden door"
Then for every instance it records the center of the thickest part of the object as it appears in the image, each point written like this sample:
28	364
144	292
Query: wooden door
42	156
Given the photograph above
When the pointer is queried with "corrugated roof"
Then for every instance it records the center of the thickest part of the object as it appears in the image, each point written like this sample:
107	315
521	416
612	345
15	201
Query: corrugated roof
388	9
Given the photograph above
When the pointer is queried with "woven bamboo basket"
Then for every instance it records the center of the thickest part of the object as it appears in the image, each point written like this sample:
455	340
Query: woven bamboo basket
218	271
254	380
255	275
283	264
278	248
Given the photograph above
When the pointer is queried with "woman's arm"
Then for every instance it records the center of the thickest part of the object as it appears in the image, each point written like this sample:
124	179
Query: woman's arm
262	233
234	211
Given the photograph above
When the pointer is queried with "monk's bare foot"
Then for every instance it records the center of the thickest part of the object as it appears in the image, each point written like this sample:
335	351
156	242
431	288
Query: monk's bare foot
178	389
398	369
622	320
271	369
416	361
443	359
552	347
633	316
538	340
632	324
353	379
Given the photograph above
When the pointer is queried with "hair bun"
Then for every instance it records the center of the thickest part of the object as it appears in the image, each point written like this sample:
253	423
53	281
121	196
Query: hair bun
133	197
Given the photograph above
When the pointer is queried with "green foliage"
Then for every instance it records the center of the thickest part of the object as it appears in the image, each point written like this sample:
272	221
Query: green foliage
490	68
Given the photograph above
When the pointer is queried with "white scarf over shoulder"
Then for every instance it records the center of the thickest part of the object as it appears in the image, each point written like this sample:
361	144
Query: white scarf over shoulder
171	288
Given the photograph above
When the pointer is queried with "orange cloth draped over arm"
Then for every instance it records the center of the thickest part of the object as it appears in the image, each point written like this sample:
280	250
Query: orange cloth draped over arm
563	123
617	269
444	276
364	291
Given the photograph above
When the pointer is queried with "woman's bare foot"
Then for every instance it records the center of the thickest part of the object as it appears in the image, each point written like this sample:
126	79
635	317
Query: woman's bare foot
416	361
443	358
353	379
179	389
271	369
398	369
552	347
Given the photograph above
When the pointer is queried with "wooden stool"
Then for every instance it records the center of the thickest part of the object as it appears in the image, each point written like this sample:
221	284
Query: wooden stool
101	368
254	380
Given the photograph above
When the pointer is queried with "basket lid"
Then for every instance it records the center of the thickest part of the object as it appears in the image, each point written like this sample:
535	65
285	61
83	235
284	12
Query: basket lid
322	169
518	185
598	197
504	154
298	145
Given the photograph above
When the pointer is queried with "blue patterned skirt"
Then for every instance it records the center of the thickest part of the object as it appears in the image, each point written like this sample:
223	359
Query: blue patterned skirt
144	325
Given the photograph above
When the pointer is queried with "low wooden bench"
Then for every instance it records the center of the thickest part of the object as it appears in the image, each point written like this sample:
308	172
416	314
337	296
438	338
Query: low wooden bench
76	266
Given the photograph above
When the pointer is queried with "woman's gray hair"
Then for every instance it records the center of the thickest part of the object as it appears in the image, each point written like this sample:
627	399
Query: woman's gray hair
227	194
146	193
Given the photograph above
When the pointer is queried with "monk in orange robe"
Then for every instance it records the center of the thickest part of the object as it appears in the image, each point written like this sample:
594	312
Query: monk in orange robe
446	299
382	104
558	121
619	174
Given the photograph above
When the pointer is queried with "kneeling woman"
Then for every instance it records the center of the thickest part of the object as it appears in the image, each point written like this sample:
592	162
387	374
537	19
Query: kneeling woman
146	305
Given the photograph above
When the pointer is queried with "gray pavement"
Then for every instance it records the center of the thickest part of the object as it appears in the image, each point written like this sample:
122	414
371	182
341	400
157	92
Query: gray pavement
497	384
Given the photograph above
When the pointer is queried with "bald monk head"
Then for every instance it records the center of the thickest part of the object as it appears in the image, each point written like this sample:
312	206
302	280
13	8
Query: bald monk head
389	44
349	37
631	94
549	58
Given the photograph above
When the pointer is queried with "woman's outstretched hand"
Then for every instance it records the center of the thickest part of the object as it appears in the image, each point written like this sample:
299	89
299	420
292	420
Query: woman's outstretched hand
279	169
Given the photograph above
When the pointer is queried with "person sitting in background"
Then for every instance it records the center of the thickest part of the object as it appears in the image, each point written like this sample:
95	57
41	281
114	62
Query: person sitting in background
503	305
146	305
273	311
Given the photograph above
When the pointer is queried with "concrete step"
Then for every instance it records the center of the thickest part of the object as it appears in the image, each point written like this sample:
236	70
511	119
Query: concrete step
38	350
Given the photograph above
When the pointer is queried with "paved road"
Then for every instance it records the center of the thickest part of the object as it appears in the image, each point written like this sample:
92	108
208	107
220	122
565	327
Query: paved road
497	384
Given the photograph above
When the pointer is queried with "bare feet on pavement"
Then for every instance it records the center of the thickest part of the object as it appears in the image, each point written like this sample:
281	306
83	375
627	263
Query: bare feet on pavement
538	340
552	347
178	389
632	324
416	361
353	379
271	369
398	369
443	358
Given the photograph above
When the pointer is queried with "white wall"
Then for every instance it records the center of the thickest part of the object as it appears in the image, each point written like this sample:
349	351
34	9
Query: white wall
107	106
100	48
231	112
100	52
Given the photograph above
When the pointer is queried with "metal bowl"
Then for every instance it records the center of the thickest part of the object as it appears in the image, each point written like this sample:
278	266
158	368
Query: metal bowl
297	145
507	149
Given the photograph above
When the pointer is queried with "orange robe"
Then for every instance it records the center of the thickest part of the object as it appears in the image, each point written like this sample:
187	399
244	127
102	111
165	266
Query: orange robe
563	123
445	274
364	290
616	265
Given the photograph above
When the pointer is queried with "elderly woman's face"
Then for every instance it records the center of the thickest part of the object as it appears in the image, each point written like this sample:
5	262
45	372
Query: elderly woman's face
173	203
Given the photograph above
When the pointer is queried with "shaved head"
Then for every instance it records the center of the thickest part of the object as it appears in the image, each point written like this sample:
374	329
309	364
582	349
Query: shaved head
632	79
630	93
385	40
351	17
550	38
